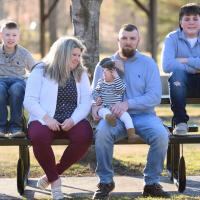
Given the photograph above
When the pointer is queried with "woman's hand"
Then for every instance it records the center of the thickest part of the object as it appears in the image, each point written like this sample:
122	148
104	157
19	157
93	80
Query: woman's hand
52	123
67	124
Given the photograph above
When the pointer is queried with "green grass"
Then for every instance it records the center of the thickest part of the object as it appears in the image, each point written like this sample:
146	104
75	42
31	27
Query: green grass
128	159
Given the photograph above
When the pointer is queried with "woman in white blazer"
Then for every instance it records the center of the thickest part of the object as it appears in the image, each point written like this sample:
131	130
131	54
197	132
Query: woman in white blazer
58	100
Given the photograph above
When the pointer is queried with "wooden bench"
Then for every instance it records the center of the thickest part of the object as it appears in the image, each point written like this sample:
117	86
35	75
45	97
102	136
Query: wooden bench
176	170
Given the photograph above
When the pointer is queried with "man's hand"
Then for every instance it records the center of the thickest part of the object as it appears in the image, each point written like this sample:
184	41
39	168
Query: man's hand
119	65
95	110
119	108
114	73
52	123
67	124
182	60
98	101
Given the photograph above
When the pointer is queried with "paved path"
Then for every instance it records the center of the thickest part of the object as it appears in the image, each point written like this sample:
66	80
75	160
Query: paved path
74	187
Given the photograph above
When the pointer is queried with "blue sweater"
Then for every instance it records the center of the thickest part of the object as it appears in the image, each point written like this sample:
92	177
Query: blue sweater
142	79
177	46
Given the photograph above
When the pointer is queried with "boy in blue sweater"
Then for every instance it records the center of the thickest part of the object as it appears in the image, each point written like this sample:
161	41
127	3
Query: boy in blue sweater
181	58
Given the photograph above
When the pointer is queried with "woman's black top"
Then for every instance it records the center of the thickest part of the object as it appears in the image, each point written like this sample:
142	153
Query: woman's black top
66	100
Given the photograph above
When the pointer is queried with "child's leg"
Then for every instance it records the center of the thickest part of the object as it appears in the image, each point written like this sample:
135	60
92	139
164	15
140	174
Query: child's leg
3	106
16	97
106	114
126	119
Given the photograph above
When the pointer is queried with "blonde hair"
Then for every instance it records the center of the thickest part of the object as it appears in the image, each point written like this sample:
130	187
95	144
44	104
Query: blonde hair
59	57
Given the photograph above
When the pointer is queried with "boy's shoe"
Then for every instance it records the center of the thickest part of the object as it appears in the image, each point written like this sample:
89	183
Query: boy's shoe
43	182
155	190
111	119
18	134
2	134
104	190
131	135
181	129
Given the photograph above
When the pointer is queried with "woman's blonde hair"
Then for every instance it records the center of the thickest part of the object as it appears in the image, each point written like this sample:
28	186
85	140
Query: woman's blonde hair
59	57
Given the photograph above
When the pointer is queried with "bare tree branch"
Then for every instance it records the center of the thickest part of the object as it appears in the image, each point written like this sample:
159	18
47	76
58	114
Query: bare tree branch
50	9
139	4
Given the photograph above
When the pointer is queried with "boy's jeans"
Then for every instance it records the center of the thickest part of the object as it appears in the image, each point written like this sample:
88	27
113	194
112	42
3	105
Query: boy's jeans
11	93
182	85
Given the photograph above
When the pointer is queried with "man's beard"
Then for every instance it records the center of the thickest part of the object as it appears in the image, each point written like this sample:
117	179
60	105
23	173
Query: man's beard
128	53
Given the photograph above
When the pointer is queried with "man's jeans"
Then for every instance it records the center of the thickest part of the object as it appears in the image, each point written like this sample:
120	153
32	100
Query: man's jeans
11	93
147	126
182	85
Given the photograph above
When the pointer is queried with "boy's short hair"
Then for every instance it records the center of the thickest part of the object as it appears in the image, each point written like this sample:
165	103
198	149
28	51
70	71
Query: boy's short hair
107	63
189	9
9	25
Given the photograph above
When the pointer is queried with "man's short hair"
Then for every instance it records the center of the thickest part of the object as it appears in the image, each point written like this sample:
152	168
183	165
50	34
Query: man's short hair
128	27
9	25
189	9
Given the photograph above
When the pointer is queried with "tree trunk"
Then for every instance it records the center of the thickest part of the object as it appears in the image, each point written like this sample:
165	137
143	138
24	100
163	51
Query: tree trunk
2	13
153	28
85	19
42	28
52	23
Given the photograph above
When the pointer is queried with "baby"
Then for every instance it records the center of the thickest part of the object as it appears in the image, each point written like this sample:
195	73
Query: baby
109	91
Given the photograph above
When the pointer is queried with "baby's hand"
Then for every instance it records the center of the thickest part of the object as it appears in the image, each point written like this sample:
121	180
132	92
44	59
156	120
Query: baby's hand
98	101
119	65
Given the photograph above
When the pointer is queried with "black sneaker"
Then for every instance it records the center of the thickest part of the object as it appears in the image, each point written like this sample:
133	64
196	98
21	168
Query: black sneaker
103	191
155	190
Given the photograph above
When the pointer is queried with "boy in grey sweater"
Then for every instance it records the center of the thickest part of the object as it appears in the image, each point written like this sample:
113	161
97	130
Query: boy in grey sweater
15	62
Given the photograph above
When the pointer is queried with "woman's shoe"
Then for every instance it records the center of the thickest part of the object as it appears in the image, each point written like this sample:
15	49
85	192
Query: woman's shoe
57	193
43	182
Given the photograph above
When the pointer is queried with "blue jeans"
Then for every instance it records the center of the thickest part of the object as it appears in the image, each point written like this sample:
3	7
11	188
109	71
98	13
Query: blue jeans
182	85
149	127
11	93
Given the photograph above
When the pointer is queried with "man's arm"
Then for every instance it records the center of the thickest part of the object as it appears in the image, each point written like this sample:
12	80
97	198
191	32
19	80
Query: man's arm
97	75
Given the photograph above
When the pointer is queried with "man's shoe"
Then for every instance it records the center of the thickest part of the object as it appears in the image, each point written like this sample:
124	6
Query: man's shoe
103	191
18	134
155	190
181	129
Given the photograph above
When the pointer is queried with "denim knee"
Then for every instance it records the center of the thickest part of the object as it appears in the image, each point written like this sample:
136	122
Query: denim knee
4	94
162	140
17	90
102	131
178	75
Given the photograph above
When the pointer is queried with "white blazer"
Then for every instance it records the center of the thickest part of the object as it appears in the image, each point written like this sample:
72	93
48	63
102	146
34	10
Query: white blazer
41	96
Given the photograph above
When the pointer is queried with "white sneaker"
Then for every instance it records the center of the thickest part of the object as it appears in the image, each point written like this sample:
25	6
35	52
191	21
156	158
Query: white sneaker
18	134
57	193
181	129
43	182
2	135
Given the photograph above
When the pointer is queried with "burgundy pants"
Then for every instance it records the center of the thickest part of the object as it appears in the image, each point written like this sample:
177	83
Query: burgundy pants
80	137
